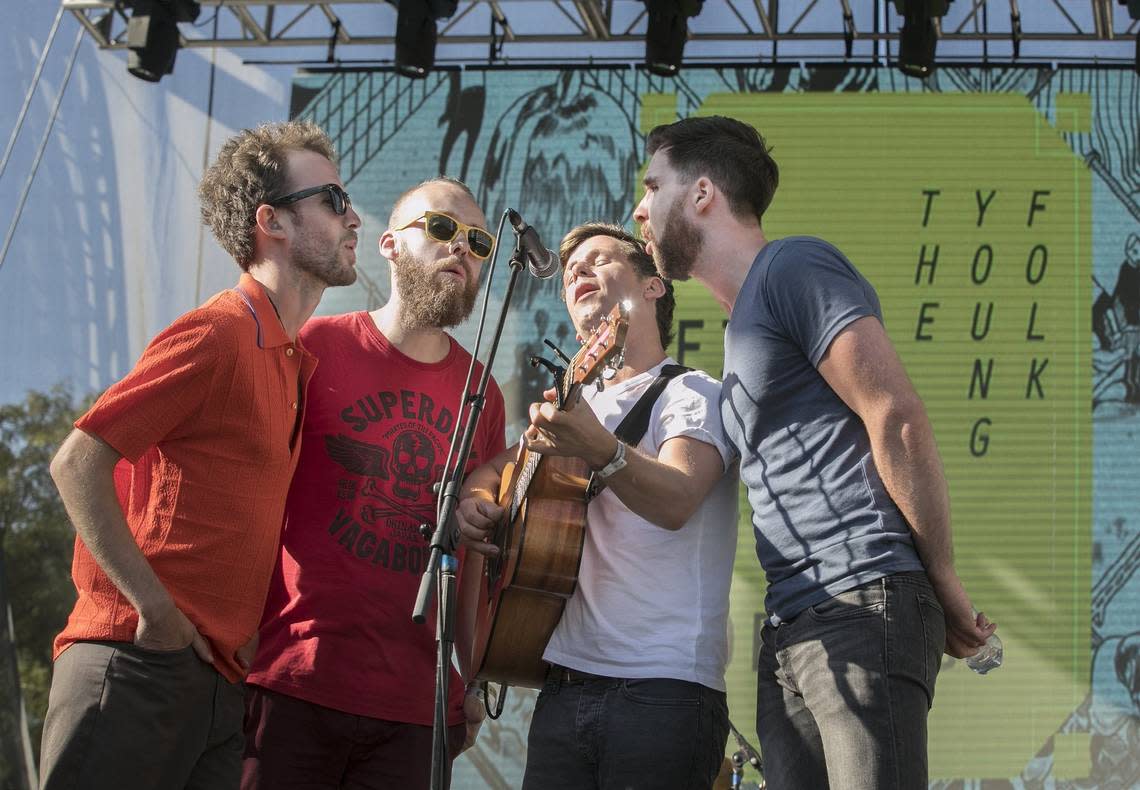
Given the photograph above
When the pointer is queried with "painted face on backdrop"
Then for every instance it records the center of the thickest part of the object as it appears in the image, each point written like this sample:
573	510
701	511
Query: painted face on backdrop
324	244
437	280
1132	249
671	238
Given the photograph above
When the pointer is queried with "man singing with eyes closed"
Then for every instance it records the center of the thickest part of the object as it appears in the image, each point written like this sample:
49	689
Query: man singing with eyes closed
341	692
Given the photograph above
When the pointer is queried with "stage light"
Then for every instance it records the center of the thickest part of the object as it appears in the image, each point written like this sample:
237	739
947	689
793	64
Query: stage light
152	35
665	37
416	34
918	39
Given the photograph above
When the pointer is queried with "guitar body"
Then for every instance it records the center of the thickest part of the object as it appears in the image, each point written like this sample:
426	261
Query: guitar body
524	590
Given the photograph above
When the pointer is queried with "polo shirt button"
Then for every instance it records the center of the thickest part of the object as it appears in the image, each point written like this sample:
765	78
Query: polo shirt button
289	352
294	405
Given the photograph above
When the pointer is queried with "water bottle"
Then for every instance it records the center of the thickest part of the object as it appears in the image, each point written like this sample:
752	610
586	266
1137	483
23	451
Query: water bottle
989	655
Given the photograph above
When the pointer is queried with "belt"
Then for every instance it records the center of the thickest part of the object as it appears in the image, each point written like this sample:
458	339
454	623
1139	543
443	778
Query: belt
567	675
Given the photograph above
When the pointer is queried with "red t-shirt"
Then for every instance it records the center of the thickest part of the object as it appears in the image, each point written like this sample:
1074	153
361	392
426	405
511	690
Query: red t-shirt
338	627
205	422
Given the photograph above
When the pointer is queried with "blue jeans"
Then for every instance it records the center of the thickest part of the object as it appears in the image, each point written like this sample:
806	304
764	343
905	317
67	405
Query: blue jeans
844	688
614	734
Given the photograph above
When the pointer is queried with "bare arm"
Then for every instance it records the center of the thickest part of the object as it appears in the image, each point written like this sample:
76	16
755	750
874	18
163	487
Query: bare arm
83	472
861	366
665	490
478	512
476	515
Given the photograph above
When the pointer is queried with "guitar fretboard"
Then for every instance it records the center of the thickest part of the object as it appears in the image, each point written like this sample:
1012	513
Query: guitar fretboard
523	482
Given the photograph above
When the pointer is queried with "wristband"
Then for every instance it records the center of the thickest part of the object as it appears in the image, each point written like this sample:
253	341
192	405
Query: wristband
617	463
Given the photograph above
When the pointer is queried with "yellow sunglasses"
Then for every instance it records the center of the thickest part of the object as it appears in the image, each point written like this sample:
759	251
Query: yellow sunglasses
444	227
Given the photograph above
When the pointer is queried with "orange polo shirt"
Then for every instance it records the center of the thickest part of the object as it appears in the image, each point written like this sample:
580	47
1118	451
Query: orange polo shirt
208	420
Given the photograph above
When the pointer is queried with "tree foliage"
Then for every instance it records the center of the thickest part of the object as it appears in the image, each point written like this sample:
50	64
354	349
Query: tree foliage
36	540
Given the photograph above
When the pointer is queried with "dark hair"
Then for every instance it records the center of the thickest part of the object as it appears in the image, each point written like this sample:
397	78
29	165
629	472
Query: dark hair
251	170
407	193
638	258
729	152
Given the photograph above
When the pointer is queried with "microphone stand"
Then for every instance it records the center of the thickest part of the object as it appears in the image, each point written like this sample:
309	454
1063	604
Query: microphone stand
744	755
442	563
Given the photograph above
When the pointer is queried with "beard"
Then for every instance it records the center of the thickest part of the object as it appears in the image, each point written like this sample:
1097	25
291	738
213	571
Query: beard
425	300
675	251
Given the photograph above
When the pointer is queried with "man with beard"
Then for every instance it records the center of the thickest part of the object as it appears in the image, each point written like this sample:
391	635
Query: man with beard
635	692
146	691
341	691
850	507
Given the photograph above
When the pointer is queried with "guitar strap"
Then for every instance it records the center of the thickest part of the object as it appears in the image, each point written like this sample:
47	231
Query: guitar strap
636	421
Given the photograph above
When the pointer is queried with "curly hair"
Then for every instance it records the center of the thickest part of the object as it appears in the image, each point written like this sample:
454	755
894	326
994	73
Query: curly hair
638	258
251	170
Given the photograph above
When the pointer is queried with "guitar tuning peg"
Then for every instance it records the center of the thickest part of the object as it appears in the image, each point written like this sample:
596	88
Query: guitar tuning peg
619	361
599	384
608	372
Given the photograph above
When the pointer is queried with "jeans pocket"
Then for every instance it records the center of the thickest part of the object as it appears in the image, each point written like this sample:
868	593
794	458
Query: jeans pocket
865	601
934	637
662	692
916	637
154	654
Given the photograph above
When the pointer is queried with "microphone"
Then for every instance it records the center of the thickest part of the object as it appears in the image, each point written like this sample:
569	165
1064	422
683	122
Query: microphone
543	263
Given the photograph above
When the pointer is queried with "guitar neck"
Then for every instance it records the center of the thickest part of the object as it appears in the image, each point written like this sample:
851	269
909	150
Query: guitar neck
528	466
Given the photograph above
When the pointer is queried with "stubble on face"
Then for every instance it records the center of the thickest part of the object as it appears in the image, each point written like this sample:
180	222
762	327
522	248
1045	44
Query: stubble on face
315	256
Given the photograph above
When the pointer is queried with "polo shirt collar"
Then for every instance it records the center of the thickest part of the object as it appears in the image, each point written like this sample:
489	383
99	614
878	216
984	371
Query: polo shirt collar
270	332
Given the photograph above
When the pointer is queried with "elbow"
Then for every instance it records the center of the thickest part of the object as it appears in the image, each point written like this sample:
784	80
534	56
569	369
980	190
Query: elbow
675	517
905	418
63	463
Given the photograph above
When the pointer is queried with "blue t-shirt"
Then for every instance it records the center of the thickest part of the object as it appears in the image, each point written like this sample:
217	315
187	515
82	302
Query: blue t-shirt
822	517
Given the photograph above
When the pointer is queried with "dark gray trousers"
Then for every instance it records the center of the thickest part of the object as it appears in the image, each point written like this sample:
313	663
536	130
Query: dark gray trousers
124	718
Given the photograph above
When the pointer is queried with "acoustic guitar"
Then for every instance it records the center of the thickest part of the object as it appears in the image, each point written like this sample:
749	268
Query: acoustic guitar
525	587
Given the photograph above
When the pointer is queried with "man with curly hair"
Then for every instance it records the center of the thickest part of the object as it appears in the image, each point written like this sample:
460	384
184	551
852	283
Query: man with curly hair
176	482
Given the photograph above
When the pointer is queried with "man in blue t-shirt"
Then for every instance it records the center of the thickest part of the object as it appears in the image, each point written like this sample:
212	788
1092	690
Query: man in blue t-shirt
850	507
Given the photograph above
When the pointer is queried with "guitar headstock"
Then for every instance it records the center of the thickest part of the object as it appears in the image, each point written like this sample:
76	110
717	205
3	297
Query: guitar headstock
602	349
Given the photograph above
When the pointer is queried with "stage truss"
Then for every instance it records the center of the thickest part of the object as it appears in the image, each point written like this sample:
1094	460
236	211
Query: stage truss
571	32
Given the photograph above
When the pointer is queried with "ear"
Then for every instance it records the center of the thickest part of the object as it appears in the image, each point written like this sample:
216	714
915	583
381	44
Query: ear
704	194
653	288
388	245
269	221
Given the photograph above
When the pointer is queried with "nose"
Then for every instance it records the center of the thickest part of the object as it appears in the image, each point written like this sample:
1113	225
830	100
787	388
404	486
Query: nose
354	220
573	270
459	245
641	213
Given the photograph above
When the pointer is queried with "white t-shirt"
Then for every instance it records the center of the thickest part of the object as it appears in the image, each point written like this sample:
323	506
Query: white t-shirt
650	602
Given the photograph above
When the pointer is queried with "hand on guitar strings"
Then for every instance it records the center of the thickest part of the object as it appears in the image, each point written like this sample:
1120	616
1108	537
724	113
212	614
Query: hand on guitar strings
574	432
477	518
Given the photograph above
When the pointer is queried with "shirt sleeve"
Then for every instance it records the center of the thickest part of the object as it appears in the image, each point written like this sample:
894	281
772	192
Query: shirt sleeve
814	292
690	406
161	396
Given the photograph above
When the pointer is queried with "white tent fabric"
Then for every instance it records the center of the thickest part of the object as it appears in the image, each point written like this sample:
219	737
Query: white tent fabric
108	248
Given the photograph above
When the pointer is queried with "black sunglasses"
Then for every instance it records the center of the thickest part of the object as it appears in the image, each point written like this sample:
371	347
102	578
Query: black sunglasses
339	198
